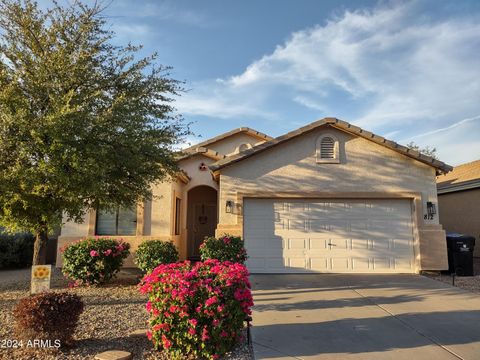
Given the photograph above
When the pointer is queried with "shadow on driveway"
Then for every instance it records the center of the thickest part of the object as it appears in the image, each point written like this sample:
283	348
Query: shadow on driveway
363	317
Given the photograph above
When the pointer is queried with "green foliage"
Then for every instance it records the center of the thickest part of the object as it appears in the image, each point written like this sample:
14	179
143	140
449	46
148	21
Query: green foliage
94	261
48	316
427	150
82	122
16	250
226	248
152	253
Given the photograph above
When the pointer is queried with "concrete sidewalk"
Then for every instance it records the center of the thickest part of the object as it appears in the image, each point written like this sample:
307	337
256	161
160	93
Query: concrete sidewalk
332	316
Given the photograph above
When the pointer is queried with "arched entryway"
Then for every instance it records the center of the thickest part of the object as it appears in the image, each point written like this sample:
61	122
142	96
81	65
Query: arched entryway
202	217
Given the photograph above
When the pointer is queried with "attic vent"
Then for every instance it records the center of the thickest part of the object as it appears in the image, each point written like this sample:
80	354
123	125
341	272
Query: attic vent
327	148
243	147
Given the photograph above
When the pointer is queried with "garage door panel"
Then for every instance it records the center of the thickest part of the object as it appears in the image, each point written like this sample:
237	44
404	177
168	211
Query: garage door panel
297	262
297	225
339	264
362	244
257	264
362	264
329	235
337	244
260	226
256	243
381	263
328	226
275	264
402	264
295	243
318	264
318	243
319	226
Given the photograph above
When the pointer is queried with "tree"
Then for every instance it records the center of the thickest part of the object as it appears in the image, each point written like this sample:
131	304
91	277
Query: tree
427	150
82	122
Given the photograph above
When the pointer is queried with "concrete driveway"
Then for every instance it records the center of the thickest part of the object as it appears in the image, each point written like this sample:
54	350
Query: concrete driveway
332	316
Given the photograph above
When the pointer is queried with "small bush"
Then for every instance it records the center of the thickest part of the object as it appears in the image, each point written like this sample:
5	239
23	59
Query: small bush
48	316
152	253
226	248
94	260
199	310
16	251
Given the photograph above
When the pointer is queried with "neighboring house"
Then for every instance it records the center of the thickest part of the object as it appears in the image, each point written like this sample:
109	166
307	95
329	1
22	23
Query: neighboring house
459	200
328	197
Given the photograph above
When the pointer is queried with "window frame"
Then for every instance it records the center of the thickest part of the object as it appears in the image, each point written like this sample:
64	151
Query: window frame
336	150
177	216
117	212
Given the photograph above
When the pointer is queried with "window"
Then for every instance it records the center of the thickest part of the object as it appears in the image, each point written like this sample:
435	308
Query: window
121	221
178	206
327	149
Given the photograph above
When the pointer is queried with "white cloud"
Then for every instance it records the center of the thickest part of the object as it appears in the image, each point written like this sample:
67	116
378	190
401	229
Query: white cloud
397	69
455	144
161	11
445	129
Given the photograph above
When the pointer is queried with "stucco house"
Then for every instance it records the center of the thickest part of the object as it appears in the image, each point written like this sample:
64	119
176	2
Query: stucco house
459	200
328	197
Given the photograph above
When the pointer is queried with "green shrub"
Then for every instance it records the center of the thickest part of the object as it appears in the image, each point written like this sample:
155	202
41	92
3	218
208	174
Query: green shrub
94	260
48	316
16	250
152	253
226	248
197	311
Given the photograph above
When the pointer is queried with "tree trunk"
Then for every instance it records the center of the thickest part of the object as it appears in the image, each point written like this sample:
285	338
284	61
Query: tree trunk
40	247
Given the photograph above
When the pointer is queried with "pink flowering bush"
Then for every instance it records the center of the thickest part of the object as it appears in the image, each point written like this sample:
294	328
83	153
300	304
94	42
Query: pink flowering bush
197	310
225	248
94	261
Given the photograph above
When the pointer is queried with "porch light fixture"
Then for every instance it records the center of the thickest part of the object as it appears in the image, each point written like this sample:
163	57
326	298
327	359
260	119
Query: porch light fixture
229	206
431	210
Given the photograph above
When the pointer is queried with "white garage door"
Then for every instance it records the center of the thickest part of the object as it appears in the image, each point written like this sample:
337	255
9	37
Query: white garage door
310	235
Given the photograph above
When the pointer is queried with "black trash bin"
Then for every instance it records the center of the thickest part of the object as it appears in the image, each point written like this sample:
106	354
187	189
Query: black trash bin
460	254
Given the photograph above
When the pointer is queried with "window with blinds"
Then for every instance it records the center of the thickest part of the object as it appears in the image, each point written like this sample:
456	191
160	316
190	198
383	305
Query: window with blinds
327	148
117	222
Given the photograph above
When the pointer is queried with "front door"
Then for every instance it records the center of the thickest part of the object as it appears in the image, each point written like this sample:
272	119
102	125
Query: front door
204	224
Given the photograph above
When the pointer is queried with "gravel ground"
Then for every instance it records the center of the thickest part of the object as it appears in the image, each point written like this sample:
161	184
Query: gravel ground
112	313
470	283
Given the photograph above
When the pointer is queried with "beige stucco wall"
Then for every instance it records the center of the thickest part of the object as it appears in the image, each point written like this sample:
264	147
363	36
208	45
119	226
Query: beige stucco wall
460	213
154	222
198	177
161	208
158	213
229	145
365	167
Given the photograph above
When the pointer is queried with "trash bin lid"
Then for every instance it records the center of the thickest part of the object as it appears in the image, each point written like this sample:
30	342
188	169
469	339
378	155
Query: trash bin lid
456	241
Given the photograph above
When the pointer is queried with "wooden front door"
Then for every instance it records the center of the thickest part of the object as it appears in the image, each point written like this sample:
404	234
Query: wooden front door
204	224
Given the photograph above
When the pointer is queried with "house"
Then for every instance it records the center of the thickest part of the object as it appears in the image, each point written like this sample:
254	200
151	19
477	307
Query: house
328	197
459	200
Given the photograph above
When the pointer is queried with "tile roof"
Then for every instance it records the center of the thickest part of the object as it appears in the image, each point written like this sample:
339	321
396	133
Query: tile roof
200	148
341	125
462	177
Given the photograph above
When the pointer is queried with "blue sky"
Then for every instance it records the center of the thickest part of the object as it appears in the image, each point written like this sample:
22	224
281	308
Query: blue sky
407	70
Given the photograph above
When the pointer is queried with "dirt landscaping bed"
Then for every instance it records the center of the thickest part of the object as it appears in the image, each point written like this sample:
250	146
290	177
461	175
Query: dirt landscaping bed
470	283
112	313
